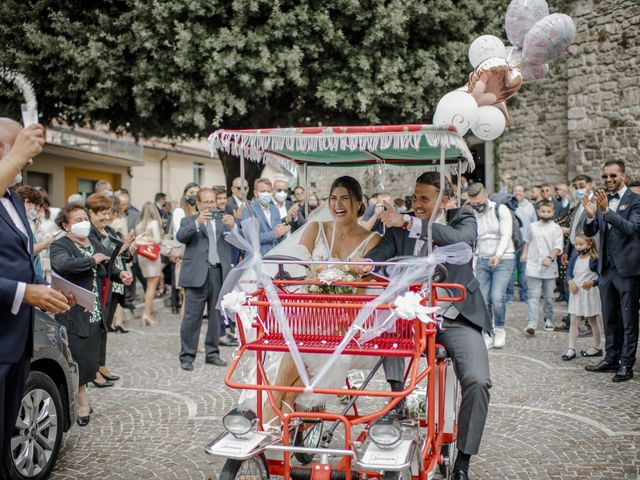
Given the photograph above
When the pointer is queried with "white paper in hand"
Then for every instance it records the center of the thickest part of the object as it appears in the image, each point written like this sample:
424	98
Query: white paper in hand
84	298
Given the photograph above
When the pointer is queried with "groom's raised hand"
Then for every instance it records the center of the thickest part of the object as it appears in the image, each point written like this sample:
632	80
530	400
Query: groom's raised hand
390	217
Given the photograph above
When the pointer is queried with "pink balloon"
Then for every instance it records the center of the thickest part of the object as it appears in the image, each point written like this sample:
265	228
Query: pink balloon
548	39
521	16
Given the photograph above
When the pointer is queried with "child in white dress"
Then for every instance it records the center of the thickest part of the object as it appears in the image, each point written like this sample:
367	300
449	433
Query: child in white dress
584	296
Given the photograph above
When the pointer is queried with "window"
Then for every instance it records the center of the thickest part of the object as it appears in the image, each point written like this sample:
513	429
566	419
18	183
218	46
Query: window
37	179
198	173
86	186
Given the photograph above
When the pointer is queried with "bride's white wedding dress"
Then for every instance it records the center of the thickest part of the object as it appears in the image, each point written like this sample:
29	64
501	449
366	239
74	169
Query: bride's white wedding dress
322	251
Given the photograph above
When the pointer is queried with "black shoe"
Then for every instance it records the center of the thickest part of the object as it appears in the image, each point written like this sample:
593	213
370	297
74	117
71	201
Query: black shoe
460	475
103	384
217	361
83	421
569	356
603	366
623	374
563	327
112	378
121	329
112	329
399	411
188	366
585	353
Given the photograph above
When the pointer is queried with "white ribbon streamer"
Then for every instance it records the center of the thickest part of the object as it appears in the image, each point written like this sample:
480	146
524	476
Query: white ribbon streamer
401	276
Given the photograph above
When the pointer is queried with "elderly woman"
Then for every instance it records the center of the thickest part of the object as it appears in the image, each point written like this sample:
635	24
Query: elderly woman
82	260
99	207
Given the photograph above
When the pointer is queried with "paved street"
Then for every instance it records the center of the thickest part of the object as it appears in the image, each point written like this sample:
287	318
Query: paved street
548	418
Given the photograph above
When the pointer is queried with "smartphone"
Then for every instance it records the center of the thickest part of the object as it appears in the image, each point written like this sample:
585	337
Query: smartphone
217	215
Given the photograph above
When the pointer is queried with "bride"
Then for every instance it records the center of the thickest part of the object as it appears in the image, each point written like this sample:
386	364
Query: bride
339	238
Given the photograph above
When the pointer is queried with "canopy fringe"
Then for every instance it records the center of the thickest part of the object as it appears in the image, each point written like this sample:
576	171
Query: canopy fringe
260	147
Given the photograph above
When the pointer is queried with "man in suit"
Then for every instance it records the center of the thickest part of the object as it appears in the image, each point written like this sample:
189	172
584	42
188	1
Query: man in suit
238	198
464	322
272	230
20	288
203	236
287	209
615	216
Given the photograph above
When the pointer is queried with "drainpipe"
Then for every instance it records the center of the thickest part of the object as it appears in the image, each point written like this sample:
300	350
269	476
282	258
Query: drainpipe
162	160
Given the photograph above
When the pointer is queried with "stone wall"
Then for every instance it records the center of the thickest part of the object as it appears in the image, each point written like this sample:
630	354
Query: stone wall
587	111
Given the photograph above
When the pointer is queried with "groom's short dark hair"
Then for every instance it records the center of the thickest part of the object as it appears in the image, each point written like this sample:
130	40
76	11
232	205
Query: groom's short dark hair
433	179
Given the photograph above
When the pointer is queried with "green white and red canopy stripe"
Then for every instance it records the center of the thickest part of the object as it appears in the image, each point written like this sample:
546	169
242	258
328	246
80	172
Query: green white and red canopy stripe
355	146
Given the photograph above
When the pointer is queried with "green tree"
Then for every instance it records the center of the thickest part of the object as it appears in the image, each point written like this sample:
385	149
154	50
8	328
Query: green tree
181	68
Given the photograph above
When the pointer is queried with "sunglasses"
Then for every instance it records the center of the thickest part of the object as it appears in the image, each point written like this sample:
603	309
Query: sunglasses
609	175
241	188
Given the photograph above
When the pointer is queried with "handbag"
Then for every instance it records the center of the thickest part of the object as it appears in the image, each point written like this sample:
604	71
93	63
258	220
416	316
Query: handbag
172	248
149	251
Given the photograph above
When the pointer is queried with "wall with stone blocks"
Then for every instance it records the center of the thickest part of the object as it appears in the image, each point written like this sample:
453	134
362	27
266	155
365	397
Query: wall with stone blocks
587	110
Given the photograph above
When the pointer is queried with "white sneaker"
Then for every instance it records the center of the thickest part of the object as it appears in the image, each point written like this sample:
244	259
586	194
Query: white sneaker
530	330
548	325
488	340
499	338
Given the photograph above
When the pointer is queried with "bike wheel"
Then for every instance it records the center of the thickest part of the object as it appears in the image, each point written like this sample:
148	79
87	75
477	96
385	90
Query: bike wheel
448	457
254	468
310	437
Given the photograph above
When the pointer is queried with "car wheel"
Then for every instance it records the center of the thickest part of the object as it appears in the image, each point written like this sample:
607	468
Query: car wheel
36	441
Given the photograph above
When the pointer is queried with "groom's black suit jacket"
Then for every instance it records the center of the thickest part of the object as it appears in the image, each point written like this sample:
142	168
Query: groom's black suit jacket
461	227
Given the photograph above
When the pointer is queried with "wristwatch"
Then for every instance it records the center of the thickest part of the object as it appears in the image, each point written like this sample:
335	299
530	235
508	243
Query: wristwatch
407	220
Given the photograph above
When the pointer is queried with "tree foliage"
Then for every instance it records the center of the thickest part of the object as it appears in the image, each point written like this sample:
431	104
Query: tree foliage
180	68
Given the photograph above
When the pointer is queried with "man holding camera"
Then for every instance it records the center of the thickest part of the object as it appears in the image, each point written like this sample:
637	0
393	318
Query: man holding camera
203	235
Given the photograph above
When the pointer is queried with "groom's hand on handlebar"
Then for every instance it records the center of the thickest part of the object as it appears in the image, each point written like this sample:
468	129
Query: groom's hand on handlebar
390	217
360	269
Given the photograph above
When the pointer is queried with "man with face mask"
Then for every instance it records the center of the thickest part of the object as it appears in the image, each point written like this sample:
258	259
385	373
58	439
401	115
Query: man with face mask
615	216
288	210
272	230
583	185
495	256
20	288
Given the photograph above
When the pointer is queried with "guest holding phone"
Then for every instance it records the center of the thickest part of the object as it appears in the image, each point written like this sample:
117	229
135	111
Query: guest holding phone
203	236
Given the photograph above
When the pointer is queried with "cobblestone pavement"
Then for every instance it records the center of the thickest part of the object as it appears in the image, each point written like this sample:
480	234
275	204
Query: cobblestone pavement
548	419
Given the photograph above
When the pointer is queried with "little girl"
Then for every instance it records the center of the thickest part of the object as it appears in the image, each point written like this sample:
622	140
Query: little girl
584	297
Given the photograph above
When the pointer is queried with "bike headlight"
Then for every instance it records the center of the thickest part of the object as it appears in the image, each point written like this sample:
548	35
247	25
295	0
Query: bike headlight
239	421
385	432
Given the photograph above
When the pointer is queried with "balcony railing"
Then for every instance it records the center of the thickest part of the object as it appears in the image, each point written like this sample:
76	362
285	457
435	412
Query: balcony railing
94	143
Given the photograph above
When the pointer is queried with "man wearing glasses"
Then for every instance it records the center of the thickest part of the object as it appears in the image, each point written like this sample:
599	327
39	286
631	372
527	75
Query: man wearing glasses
203	235
615	216
236	202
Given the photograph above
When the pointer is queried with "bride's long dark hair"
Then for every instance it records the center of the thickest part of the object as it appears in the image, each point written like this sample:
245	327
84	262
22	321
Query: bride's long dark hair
353	187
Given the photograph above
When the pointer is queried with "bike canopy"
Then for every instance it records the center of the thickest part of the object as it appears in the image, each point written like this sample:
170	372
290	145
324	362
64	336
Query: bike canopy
355	146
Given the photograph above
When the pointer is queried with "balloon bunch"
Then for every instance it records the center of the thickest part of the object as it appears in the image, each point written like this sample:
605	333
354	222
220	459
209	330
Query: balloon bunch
499	72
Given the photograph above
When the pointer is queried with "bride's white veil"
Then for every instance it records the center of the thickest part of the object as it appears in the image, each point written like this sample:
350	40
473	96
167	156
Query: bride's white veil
291	246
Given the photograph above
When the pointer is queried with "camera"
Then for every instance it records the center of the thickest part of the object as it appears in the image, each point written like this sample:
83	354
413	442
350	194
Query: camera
408	201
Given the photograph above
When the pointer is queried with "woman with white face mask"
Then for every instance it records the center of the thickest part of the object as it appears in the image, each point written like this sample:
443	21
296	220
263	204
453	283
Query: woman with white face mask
82	261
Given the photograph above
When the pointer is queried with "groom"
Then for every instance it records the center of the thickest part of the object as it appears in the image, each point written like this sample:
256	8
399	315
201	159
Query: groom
463	322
